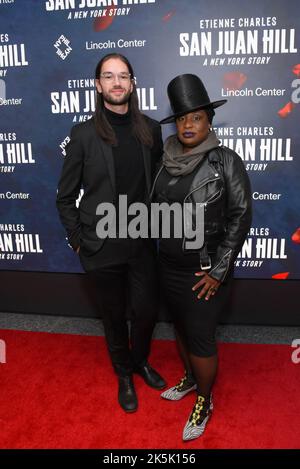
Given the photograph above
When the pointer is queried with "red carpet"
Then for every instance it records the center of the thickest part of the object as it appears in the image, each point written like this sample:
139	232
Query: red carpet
58	391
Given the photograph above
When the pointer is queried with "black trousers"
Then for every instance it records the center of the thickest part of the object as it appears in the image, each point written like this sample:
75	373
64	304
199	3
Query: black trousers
128	283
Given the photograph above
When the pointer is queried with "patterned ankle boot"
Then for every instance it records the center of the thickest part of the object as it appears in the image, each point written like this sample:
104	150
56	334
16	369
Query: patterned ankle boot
186	385
198	418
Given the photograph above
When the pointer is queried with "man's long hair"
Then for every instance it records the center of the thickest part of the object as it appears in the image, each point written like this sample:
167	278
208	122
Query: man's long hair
140	127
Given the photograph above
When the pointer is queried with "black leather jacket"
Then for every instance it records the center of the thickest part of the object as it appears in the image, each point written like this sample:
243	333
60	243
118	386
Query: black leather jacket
223	185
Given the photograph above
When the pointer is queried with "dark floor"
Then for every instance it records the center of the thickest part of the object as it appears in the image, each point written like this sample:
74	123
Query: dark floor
163	330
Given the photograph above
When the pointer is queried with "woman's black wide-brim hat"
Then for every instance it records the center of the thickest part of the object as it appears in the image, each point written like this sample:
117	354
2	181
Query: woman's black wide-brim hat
187	93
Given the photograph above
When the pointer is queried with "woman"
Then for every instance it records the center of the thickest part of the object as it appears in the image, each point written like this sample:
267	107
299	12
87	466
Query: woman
197	170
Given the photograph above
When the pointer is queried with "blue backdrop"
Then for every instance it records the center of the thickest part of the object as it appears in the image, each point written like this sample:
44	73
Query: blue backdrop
247	52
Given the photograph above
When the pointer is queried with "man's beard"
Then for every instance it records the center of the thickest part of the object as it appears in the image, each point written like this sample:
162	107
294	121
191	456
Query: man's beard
116	100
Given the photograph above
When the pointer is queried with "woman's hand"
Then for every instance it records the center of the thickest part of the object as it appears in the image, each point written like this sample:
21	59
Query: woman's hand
208	285
78	249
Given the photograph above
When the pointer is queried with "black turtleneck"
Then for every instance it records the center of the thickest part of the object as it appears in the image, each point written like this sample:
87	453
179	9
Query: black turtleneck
128	158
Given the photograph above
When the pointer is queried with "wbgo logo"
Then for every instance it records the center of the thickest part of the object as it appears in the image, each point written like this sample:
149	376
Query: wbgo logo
296	353
2	351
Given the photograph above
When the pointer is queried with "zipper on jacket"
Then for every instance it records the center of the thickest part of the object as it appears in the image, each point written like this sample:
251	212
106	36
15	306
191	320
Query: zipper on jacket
213	197
199	187
196	188
204	203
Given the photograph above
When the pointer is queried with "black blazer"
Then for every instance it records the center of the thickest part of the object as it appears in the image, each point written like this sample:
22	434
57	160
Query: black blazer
89	164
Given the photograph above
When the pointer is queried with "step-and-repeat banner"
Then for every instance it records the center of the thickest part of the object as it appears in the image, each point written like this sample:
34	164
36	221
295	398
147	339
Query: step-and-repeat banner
247	52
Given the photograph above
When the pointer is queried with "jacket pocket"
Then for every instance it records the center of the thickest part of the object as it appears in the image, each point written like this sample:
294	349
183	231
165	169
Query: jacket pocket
87	218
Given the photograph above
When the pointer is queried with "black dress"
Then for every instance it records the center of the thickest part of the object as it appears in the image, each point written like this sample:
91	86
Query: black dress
195	320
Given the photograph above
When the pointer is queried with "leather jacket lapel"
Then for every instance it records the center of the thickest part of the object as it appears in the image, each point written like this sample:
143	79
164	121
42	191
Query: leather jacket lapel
147	166
107	153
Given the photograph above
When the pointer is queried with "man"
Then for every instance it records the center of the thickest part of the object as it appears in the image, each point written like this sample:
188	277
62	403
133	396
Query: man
115	153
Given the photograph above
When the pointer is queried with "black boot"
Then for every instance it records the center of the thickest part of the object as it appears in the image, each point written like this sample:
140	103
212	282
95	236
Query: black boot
150	376
127	395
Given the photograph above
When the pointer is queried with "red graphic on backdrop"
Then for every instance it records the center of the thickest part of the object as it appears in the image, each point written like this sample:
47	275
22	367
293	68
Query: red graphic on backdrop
168	16
281	276
286	110
102	23
296	236
234	80
296	70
